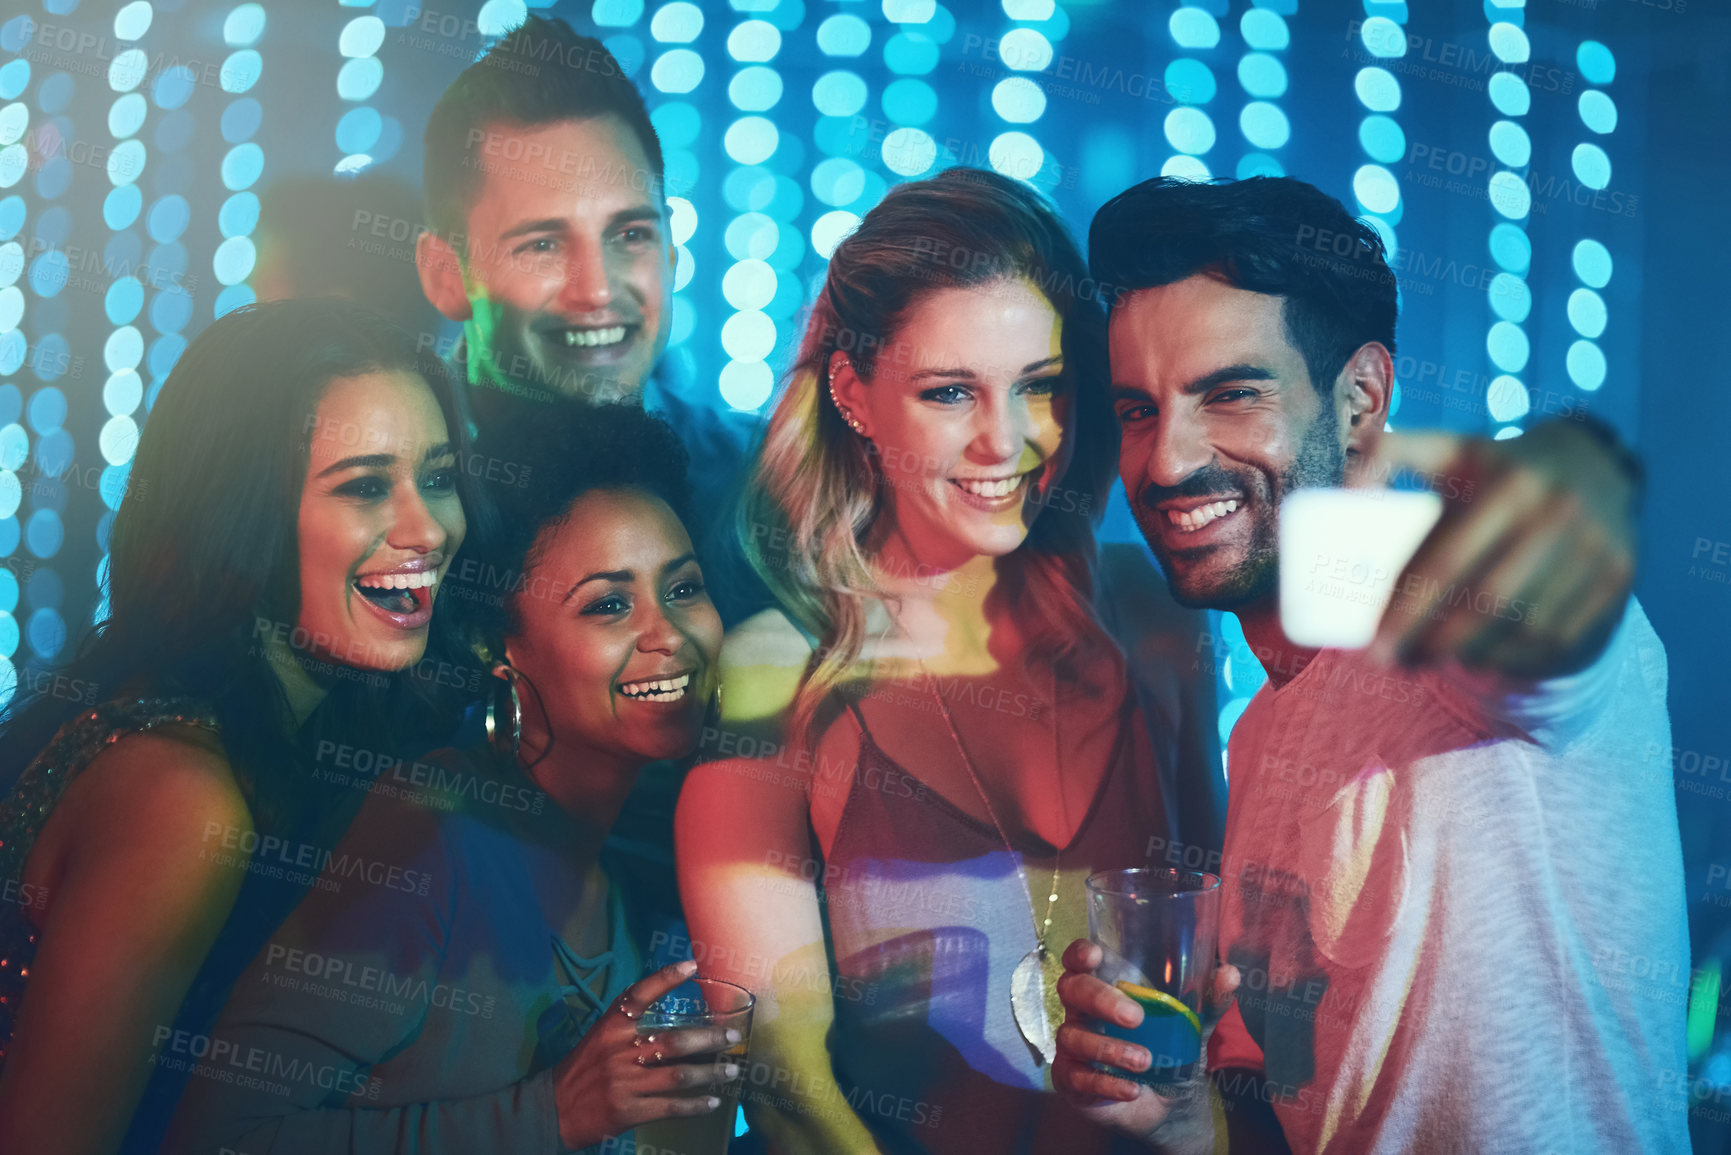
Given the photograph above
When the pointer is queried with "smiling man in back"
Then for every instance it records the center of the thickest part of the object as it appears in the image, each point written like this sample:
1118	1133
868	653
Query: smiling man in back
550	242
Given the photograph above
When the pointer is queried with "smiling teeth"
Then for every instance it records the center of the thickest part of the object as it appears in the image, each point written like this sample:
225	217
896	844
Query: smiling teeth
1195	519
1002	488
591	338
399	581
663	690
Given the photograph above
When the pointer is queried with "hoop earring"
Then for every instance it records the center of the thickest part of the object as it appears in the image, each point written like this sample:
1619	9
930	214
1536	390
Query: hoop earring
504	718
853	422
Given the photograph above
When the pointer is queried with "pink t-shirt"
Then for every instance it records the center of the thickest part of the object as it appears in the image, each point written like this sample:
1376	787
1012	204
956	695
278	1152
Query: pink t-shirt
1458	908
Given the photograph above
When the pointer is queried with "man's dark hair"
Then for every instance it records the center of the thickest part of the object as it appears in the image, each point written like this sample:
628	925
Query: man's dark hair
541	72
1273	235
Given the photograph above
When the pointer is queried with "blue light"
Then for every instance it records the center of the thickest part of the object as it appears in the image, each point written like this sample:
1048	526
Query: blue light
1510	144
1510	297
111	487
497	17
232	298
48	273
46	630
1592	262
53	357
1262	75
238	215
628	50
173	87
168	218
1596	62
361	36
133	20
54	452
126	115
678	70
233	260
1258	164
1193	28
677	23
1510	196
1382	138
359	78
844	36
910	152
242	166
830	229
1508	346
752	236
1586	365
1377	89
1263	29
1587	313
1510	248
14	445
46	410
911	54
616	13
1598	111
171	310
755	89
751	139
1264	125
1506	399
358	129
748	189
11	308
1591	165
241	119
1016	99
127	70
123	392
1029	9
17	33
1383	37
13	346
14	78
12	213
124	299
241	71
754	41
9	590
749	284
1509	43
839	93
1189	130
1190	81
1376	188
910	101
1025	50
909	11
837	181
244	25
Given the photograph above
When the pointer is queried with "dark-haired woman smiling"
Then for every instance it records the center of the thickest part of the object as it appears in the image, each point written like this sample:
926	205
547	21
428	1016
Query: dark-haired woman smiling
500	1015
293	504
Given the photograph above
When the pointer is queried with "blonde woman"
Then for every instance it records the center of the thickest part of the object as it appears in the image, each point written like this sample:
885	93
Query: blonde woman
935	739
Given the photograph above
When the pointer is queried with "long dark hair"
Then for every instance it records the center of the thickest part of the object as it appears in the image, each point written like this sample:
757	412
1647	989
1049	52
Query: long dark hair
820	490
204	554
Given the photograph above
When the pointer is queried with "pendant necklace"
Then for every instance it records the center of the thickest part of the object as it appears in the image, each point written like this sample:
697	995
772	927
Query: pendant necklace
1039	969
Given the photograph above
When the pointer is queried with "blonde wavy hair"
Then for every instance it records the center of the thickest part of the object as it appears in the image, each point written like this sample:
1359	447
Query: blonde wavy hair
818	490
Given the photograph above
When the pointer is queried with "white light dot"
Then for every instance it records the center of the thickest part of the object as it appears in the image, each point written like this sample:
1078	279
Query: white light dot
1029	9
1018	100
677	23
1510	196
123	392
1598	111
1185	168
1586	365
361	36
1383	37
1587	312
118	440
1591	165
751	140
910	11
746	384
1025	50
1510	143
1509	43
1016	154
748	336
754	41
1508	346
909	151
677	71
1507	399
133	20
681	219
750	284
1377	89
830	229
1376	188
127	69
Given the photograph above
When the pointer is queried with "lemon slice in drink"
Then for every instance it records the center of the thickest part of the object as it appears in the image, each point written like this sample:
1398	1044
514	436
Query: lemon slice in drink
1160	1003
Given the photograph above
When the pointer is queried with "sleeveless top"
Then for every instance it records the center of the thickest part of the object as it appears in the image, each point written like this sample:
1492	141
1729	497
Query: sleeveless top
25	811
927	916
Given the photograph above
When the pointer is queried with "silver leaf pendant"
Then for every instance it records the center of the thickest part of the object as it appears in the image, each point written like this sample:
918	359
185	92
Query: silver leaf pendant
1028	1001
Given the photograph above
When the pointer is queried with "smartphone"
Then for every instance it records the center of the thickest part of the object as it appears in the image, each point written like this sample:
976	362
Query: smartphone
1341	551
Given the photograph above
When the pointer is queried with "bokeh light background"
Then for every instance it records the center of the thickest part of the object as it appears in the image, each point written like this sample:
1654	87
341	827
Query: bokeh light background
1496	146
